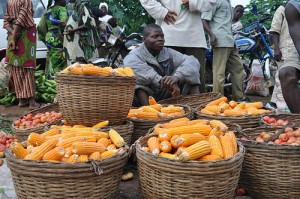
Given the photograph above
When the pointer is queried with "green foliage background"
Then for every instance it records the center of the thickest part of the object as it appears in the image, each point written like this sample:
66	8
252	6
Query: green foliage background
134	15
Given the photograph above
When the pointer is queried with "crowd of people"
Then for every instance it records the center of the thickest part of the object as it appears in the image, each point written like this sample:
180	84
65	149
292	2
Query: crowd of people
170	62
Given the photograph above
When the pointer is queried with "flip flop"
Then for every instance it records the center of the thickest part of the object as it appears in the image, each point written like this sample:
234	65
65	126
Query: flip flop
39	106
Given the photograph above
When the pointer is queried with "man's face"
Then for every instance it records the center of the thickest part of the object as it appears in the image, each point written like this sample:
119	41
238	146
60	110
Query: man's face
103	8
155	40
238	12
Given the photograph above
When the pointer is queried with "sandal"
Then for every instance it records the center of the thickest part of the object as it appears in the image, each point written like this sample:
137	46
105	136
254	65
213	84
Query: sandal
36	107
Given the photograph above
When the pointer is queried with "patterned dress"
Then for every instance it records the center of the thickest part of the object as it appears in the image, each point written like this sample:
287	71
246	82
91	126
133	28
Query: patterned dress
51	33
82	45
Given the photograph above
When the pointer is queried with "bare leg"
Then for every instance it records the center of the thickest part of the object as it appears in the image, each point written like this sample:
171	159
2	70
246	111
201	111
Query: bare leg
142	97
23	102
288	78
194	89
33	104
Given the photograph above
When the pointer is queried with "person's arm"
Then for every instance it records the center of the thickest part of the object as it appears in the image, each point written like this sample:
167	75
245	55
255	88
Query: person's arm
158	11
213	39
293	18
275	30
277	52
200	5
42	28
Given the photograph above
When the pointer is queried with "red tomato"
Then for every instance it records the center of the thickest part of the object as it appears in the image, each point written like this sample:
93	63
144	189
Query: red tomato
288	129
291	140
277	141
283	137
266	119
297	133
290	134
280	122
272	120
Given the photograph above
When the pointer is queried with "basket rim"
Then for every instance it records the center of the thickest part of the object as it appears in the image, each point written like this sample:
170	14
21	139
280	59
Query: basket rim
94	76
279	115
189	96
235	158
187	114
37	127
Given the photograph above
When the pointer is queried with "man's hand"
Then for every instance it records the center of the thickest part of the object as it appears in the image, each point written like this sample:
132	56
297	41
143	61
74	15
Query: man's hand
168	81
277	55
186	3
63	23
170	17
68	32
213	41
12	45
175	90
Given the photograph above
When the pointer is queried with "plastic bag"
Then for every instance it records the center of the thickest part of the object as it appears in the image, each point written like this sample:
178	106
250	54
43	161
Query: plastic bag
4	78
257	84
7	190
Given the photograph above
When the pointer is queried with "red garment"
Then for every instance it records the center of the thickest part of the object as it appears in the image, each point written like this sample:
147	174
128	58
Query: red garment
19	12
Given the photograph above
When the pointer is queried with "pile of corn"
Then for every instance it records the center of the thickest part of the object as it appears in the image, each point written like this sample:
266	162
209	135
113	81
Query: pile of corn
183	139
71	144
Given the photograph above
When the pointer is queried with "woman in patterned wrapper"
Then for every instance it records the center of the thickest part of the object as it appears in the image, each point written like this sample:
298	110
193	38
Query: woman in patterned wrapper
81	37
21	50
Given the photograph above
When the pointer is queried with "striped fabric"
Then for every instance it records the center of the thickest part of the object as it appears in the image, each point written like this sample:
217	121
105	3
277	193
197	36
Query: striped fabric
23	80
20	12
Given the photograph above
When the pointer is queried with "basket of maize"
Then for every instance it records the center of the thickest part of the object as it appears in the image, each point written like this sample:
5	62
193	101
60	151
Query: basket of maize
192	100
22	134
189	161
72	164
93	94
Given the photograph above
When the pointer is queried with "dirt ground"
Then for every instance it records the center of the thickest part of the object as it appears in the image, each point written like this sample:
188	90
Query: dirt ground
127	189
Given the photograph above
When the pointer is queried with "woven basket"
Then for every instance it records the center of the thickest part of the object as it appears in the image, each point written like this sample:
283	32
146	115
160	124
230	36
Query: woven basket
125	131
165	178
192	100
141	127
248	121
22	134
86	100
270	171
293	119
41	179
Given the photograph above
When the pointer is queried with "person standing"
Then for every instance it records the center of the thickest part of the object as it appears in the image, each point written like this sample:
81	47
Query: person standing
104	7
21	50
289	73
237	25
283	48
217	23
50	31
181	23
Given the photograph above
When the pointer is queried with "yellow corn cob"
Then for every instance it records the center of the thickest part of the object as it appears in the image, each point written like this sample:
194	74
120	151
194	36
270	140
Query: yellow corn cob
18	150
173	125
116	138
241	105
187	140
35	139
106	142
146	149
257	105
79	126
171	109
234	143
168	155
217	123
108	154
257	112
213	108
153	144
87	148
227	145
65	143
209	158
197	128
42	150
216	147
62	136
164	136
96	71
217	101
223	107
180	150
173	143
149	109
76	70
158	130
183	119
50	132
150	116
111	147
68	152
55	154
72	159
151	100
156	106
95	156
216	132
82	158
199	121
119	72
206	111
232	104
175	114
232	112
96	134
165	146
30	149
101	124
128	71
132	112
195	151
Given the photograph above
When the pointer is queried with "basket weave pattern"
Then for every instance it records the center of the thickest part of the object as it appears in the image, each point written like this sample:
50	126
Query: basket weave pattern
141	127
173	179
22	134
270	171
41	179
192	100
86	100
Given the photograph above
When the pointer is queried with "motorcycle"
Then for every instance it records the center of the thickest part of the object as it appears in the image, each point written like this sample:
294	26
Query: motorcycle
254	41
119	46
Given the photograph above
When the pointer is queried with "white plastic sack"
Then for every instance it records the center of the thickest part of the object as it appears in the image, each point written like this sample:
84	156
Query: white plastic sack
4	79
257	84
6	183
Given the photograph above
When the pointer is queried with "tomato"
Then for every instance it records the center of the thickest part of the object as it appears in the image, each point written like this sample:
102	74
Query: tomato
270	142
283	137
285	123
277	141
58	116
240	192
2	141
272	120
266	119
291	140
23	120
259	139
287	129
43	119
280	122
297	133
17	123
290	134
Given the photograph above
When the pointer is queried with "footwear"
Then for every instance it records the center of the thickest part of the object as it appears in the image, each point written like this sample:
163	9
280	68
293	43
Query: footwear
36	107
244	99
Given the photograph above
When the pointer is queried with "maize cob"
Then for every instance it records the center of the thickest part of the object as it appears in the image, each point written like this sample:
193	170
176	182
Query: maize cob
62	136
195	151
232	104
148	109
175	114
96	134
216	132
217	123
42	150
87	148
197	128
95	156
187	140
209	158
106	142
171	109
151	100
111	147
65	143
227	145
153	144
172	125
35	139
150	116
18	150
55	154
82	158
158	130
165	146
101	124
180	150
76	70
79	126
168	155
183	119
128	71
232	112
156	106
241	105
119	72
50	132
97	71
234	142
257	105
68	152
206	111
217	101
216	147
198	121
132	112
108	154
173	143
72	159
164	136
257	112
145	149
116	138
213	108
223	107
